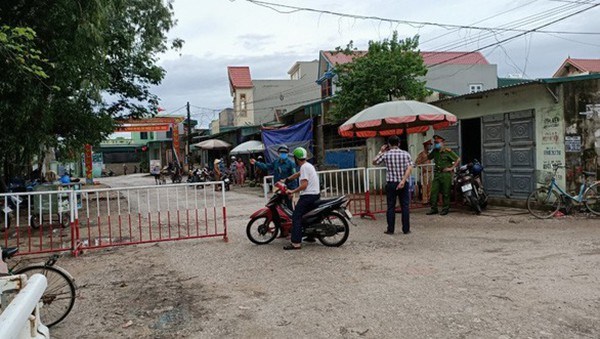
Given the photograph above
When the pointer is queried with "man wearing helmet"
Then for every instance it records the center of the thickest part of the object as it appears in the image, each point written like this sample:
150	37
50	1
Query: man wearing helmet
282	168
309	193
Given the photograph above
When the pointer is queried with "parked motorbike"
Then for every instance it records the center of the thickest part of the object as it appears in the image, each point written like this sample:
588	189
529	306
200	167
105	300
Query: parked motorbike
468	178
225	177
327	221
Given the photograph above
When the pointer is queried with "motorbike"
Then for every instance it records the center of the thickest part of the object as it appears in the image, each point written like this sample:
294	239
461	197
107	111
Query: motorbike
225	177
468	178
327	221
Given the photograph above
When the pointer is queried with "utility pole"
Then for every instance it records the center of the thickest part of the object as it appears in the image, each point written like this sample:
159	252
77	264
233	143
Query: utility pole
189	133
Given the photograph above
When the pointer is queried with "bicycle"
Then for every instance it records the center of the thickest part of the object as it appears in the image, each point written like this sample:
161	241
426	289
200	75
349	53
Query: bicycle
543	202
59	297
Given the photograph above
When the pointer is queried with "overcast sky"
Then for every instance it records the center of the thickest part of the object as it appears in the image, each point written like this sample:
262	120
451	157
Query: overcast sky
219	33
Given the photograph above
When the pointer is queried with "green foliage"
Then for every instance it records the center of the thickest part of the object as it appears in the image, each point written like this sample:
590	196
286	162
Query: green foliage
391	69
70	67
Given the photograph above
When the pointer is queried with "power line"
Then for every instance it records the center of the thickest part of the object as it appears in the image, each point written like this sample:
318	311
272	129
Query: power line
520	34
417	24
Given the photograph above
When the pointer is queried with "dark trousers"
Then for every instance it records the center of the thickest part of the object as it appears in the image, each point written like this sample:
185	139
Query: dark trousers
403	195
304	204
442	182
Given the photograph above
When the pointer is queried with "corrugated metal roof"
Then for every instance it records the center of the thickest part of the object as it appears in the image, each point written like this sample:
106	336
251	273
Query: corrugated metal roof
523	84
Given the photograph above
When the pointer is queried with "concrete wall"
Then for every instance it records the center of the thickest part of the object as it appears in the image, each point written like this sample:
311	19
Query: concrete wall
549	117
226	117
242	118
456	78
273	95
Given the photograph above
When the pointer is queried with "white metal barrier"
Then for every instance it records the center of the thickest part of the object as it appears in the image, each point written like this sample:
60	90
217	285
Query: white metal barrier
21	318
364	186
349	182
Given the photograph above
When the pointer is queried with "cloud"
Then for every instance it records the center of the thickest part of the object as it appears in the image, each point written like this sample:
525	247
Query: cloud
255	41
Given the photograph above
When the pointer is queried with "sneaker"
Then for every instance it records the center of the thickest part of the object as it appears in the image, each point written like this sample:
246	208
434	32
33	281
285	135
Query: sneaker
444	212
432	212
388	232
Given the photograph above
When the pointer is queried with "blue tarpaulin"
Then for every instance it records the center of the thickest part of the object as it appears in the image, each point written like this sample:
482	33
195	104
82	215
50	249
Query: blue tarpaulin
298	135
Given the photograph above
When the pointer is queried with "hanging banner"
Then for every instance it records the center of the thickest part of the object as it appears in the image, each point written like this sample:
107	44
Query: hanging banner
298	135
175	135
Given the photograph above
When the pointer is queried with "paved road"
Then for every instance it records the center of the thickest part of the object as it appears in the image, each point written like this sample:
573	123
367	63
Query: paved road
504	275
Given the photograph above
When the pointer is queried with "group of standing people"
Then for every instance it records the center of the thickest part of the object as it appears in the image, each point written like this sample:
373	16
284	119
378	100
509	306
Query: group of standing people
399	165
237	168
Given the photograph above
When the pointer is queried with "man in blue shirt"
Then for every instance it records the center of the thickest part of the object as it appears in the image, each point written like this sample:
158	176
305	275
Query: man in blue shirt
281	168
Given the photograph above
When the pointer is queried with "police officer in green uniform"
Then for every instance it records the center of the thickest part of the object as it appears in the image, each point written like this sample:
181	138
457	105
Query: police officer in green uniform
445	161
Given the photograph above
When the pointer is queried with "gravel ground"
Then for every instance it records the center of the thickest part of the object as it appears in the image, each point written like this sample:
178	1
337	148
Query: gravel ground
499	275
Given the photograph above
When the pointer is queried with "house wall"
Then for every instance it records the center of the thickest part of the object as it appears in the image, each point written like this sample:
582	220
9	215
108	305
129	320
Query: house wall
243	117
582	133
549	118
226	117
285	95
456	78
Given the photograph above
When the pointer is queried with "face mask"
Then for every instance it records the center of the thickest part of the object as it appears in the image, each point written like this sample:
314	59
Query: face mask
283	156
437	145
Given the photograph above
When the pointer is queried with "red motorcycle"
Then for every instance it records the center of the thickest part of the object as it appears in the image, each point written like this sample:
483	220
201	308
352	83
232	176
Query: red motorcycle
327	221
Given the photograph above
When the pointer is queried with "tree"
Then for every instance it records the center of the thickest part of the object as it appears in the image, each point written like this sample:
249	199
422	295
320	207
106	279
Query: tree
390	69
102	59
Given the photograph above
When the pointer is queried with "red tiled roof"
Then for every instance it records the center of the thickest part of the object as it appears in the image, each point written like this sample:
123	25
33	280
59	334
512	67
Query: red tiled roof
339	58
239	76
430	58
583	65
454	58
586	65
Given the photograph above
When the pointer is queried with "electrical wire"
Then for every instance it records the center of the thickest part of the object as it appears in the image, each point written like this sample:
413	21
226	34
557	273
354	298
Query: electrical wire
416	24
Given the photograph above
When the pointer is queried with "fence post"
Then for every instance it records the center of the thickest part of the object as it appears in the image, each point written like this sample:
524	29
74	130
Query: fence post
225	237
367	212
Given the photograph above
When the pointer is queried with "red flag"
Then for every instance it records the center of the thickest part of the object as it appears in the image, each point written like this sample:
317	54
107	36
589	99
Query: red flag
160	109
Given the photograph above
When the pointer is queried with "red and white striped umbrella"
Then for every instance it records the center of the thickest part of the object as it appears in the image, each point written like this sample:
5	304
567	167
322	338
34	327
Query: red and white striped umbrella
395	118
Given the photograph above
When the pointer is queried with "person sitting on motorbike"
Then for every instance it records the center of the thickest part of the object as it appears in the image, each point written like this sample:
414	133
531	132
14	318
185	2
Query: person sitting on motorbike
282	168
309	194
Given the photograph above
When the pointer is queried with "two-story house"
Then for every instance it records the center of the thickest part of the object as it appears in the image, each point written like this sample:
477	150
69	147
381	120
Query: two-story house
257	101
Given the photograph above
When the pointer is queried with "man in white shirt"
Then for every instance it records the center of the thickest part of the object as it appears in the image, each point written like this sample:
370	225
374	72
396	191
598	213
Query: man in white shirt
309	193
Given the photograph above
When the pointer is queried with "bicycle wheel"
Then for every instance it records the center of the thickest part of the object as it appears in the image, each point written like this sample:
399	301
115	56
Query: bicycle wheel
59	296
542	203
592	199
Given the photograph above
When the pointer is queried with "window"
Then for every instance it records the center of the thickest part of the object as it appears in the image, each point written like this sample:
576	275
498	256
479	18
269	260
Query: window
475	88
326	90
243	102
144	135
169	134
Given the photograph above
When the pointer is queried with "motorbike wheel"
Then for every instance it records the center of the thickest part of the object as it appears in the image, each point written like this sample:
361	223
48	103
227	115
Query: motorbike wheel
34	221
475	204
341	236
261	230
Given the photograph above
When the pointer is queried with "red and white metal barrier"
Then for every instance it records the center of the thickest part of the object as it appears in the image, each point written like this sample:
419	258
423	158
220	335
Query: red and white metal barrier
38	222
377	181
349	182
69	220
146	214
365	187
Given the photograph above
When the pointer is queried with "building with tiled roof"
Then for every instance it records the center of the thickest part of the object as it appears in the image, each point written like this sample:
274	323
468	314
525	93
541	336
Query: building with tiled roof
448	72
571	67
256	102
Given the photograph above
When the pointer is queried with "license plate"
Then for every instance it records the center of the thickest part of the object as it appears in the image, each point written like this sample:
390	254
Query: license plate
467	187
348	214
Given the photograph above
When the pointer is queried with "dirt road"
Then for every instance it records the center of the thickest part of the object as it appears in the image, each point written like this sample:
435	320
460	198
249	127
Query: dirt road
500	275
